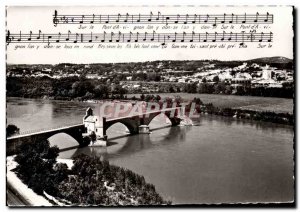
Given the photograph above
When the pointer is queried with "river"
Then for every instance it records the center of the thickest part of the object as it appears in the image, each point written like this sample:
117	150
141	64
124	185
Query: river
221	160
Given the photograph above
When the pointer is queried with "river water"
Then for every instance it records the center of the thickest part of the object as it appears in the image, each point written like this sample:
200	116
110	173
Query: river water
221	160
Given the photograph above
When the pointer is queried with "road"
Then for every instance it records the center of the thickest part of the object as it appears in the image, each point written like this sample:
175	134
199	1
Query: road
13	199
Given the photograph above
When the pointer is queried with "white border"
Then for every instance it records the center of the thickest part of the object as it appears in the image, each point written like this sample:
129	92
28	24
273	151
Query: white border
3	3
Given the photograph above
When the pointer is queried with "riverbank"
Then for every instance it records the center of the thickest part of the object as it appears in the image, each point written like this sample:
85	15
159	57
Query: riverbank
278	118
270	104
55	183
17	186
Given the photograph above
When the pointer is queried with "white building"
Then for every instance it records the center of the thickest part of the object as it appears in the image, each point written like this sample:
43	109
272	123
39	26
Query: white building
93	126
267	73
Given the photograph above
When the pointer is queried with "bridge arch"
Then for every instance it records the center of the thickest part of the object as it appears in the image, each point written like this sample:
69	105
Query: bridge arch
171	116
131	125
63	140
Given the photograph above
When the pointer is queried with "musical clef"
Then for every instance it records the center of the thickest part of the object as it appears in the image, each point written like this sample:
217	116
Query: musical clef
8	38
55	19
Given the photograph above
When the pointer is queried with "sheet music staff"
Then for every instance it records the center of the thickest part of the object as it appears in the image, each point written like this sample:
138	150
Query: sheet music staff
146	37
158	18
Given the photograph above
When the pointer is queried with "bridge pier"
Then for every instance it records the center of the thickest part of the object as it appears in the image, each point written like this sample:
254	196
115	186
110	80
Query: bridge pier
144	129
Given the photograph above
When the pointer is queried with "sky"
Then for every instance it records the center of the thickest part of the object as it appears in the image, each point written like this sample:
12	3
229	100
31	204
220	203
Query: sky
33	19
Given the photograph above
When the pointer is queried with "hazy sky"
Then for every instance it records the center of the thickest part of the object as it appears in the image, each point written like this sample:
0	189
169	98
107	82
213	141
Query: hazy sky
33	19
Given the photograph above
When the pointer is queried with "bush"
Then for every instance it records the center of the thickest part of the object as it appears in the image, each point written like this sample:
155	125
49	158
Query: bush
11	130
38	169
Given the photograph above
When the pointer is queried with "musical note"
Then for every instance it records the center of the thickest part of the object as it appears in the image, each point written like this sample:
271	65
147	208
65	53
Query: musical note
152	39
118	19
137	37
58	40
158	16
103	40
267	19
20	37
82	17
178	16
107	21
92	21
164	19
223	37
206	20
175	34
195	17
129	39
192	39
183	35
145	38
76	35
244	21
186	19
49	36
215	23
30	34
91	37
231	21
151	14
111	37
118	40
126	19
167	18
39	36
223	21
215	38
270	38
205	40
256	19
230	37
68	38
242	43
261	37
164	43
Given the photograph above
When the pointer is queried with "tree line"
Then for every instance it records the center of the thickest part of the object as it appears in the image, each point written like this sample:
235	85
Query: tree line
82	88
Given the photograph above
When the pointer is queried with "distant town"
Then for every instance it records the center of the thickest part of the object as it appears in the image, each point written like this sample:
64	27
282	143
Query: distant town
258	77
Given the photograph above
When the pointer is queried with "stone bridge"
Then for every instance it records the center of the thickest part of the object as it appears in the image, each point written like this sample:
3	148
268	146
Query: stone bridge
13	142
134	123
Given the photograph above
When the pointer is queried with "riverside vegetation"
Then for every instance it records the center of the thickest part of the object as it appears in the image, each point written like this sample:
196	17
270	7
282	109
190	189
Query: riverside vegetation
89	182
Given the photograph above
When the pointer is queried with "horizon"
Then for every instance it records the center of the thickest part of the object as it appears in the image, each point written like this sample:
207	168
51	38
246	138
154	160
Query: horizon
257	58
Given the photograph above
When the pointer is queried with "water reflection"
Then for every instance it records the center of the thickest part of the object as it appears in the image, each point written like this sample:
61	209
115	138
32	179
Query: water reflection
126	145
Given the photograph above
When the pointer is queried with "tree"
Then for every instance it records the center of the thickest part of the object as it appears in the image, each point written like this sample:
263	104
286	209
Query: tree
11	130
35	167
216	79
157	98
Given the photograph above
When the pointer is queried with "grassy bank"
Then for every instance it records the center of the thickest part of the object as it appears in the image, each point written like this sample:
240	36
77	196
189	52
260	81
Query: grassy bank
270	104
